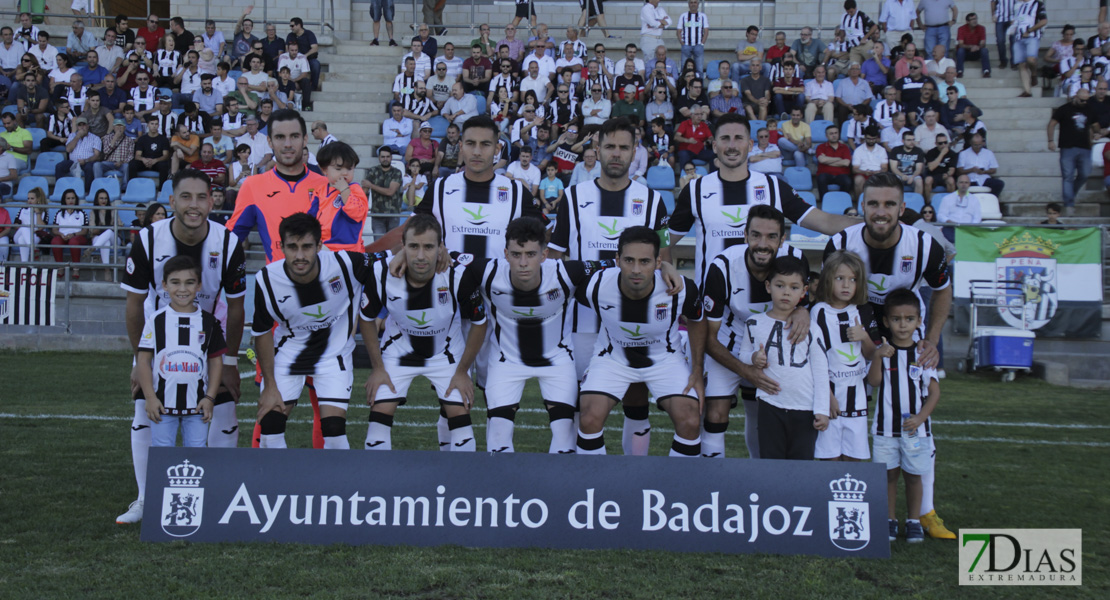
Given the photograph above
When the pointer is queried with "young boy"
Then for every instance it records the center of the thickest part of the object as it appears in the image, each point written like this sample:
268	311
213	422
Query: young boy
903	438
1052	213
662	149
341	208
789	420
186	343
773	130
551	189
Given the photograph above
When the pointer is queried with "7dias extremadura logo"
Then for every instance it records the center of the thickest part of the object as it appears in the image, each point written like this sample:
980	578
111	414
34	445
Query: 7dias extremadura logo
1021	557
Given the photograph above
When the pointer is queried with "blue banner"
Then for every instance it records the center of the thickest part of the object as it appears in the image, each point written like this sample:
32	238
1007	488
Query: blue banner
516	500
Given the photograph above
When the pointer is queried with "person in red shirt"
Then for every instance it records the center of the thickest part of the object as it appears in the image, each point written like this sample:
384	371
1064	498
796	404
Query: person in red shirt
971	43
152	32
779	53
215	169
788	91
834	163
691	136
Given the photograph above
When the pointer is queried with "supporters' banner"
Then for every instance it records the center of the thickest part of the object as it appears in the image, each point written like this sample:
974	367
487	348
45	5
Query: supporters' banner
1059	273
27	295
516	500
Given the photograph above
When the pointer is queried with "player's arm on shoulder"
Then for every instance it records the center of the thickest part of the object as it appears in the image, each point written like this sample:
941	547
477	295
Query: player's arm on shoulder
560	238
682	220
823	222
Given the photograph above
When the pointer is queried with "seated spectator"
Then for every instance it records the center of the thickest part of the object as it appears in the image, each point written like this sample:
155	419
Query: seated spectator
728	101
876	69
306	41
111	96
222	145
60	75
214	40
723	71
35	230
953	110
299	72
167	62
788	90
144	96
117	151
71	228
853	91
93	73
927	132
660	108
423	148
243	40
242	167
414	185
820	94
925	103
595	109
908	58
907	163
695	96
84	151
206	99
125	36
940	167
689	173
631	108
260	145
692	136
422	63
101	231
19	139
661	149
854	129
937	65
807	51
79	41
868	159
972	125
536	83
971	44
272	45
884	111
146	57
563	110
383	185
891	137
587	170
749	48
58	126
460	106
980	164
778	54
254	79
838	54
550	189
629	77
152	152
44	52
960	207
796	137
566	151
658	77
185	148
909	87
765	157
397	130
756	91
447	159
476	71
418	106
524	171
450	60
834	163
949	81
9	174
1086	81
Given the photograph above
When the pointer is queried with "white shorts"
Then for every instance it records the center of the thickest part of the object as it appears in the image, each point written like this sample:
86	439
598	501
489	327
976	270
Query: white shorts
332	389
82	5
438	374
889	451
583	351
665	379
481	361
846	436
505	384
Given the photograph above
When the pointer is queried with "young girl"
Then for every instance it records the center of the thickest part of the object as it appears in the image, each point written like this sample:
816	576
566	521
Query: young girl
414	183
501	110
102	220
845	326
33	219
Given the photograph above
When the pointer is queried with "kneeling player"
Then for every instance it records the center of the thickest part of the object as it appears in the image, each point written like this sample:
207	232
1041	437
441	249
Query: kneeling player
312	295
423	335
639	342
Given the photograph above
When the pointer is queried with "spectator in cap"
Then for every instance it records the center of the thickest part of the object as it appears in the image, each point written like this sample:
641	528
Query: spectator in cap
423	148
117	151
629	107
83	149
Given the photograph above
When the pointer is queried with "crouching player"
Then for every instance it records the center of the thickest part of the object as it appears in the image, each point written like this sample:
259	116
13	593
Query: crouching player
908	393
639	342
312	294
423	335
789	420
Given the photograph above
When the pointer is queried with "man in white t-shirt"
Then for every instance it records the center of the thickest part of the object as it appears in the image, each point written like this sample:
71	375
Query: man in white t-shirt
452	62
423	61
524	171
869	158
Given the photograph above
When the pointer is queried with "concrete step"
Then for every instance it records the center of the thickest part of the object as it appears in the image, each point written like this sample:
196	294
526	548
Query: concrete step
337	114
991	105
360	48
1031	139
977	93
364	63
1027	164
371	100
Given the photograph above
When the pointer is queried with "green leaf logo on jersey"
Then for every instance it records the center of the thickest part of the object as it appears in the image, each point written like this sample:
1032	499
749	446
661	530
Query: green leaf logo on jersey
422	321
756	310
736	219
633	334
880	286
851	355
475	215
613	230
531	312
319	314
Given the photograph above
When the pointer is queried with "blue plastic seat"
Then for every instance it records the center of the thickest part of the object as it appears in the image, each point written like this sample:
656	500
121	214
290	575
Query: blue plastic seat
817	130
480	102
45	164
65	184
660	178
835	203
712	70
756	125
140	191
104	183
164	193
28	183
668	200
799	178
439	127
37	136
809	198
797	232
914	200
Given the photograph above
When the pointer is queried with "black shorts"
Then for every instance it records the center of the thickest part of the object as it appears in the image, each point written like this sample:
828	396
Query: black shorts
524	11
595	7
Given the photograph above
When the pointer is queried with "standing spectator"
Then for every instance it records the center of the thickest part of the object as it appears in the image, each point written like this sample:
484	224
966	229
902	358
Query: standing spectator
71	228
383	184
868	159
937	18
379	10
1030	19
834	163
981	165
525	11
940	167
1075	121
653	20
796	137
428	45
433	14
808	52
692	31
960	207
853	91
971	43
306	42
151	31
907	162
593	13
117	151
1002	13
897	18
858	31
820	95
748	48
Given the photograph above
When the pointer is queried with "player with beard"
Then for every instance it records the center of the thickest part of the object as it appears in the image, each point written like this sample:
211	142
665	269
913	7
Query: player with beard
735	290
587	227
902	256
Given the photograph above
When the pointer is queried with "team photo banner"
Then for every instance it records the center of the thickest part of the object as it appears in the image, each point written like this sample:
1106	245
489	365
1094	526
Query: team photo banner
1059	271
27	296
516	500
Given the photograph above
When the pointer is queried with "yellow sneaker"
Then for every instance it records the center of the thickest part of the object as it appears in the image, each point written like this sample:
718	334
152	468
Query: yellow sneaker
934	527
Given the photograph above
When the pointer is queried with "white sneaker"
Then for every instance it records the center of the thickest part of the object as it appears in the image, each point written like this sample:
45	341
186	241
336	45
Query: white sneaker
941	374
134	514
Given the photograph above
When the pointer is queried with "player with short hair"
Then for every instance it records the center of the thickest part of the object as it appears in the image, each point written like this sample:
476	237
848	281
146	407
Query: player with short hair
423	336
312	295
735	289
223	269
639	342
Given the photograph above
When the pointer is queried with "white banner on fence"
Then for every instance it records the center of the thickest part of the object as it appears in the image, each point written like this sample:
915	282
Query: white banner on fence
27	296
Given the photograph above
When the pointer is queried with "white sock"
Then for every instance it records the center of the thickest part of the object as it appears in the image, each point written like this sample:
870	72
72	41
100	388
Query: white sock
338	442
273	440
223	429
443	432
379	436
751	427
590	439
462	439
140	445
712	444
499	435
927	480
685	448
562	437
636	438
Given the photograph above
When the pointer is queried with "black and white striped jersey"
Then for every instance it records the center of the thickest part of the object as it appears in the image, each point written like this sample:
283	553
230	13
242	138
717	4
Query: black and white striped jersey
719	210
167	124
316	320
692	25
220	256
1003	10
847	366
562	113
579	48
60	127
904	389
195	124
1027	15
590	221
475	214
424	324
182	343
855	27
417	106
799	368
732	294
532	328
507	81
143	101
638	333
884	113
916	260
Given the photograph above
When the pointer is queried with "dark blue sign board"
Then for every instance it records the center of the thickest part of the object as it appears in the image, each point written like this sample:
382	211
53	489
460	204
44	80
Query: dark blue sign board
516	500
